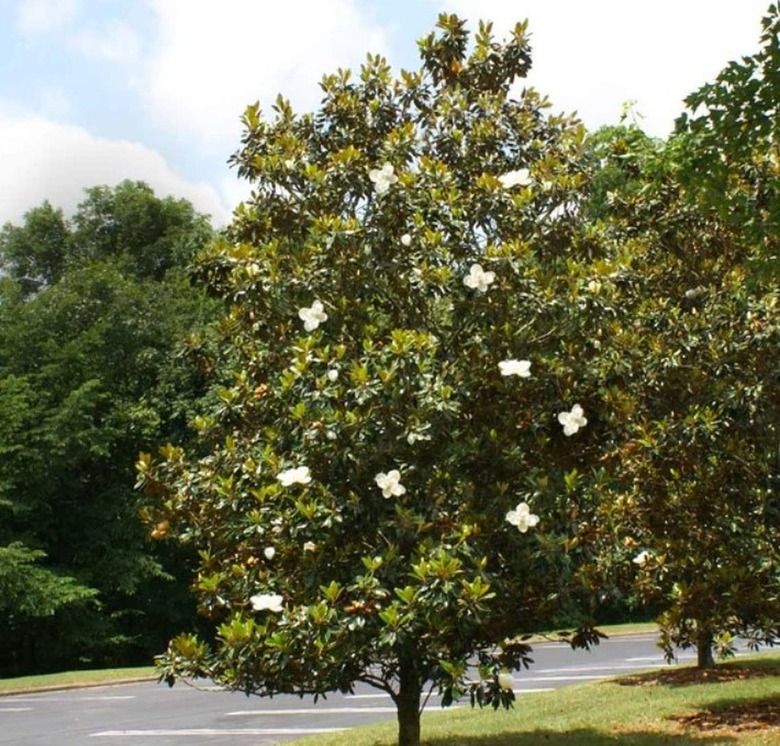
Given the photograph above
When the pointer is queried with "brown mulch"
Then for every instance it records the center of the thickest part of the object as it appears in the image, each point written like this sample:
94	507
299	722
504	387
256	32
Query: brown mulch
757	715
688	676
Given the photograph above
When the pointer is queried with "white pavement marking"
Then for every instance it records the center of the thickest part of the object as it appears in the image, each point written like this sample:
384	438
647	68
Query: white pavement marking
684	657
533	691
45	698
583	669
641	637
15	709
571	677
213	732
314	711
642	658
435	694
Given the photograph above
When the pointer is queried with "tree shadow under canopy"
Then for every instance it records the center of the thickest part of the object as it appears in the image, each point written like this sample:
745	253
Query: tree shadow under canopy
580	737
690	676
736	715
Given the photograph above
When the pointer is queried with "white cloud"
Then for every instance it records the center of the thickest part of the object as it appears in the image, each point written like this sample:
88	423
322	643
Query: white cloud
113	41
53	101
214	59
593	56
46	160
41	16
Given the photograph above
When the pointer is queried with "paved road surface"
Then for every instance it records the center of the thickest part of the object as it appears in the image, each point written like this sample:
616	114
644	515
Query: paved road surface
149	714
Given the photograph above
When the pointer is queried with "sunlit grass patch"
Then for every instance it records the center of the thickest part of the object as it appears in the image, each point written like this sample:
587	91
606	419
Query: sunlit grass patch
617	711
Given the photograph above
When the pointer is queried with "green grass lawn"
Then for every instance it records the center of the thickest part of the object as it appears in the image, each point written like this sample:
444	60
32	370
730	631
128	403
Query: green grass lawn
643	712
74	679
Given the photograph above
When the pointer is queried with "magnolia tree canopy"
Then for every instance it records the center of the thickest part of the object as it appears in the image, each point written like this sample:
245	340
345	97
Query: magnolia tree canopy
410	388
690	518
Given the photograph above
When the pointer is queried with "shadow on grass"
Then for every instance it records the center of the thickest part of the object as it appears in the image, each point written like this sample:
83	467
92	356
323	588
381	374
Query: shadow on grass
735	715
580	737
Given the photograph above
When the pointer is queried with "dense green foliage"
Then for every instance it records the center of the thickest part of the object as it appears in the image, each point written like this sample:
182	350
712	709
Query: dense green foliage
413	327
403	248
691	518
91	313
731	147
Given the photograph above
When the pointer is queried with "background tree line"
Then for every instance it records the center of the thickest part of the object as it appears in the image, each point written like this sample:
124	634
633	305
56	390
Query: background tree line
93	314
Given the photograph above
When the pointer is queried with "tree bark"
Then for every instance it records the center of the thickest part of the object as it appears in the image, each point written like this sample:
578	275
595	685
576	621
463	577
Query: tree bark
704	641
407	701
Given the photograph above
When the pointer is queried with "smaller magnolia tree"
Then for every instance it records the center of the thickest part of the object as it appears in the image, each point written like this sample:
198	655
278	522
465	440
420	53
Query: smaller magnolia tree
690	518
385	484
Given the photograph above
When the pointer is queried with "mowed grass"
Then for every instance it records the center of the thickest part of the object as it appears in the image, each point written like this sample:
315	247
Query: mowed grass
74	679
644	712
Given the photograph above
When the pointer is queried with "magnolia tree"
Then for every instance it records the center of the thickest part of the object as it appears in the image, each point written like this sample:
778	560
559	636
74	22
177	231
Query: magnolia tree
690	518
408	398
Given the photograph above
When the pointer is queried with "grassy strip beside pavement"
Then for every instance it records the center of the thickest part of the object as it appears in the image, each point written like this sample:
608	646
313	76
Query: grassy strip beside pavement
610	630
633	628
741	707
73	679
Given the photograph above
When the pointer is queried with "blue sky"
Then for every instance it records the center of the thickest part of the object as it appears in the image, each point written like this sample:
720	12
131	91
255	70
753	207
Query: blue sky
94	91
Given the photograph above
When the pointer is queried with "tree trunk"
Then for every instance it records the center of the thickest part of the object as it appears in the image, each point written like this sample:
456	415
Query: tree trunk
407	701
704	641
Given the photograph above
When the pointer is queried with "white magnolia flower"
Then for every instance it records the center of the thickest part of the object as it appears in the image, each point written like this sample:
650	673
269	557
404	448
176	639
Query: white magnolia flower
522	517
406	239
478	279
572	421
521	177
333	374
267	602
383	178
642	558
298	475
520	368
505	681
309	546
313	316
269	553
390	483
